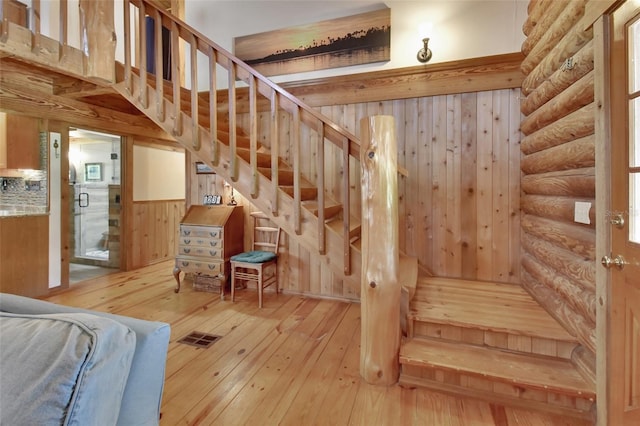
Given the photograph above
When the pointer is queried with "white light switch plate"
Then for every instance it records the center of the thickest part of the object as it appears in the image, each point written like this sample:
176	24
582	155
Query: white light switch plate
581	214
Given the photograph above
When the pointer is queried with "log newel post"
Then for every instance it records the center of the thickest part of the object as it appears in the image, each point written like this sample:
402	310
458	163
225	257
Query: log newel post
380	288
98	39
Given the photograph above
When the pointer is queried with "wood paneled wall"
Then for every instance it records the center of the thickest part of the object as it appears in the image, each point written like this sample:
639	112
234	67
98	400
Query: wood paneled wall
460	203
153	231
558	261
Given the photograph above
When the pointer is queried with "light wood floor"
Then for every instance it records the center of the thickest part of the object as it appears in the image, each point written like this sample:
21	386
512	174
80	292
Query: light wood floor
295	362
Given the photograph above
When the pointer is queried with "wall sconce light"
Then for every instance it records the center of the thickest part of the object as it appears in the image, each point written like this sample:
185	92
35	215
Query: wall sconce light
424	54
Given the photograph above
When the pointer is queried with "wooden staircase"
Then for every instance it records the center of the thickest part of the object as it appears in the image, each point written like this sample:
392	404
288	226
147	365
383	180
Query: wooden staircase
492	341
210	130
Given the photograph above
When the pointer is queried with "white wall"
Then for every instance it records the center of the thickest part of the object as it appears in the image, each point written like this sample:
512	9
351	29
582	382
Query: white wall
158	174
460	29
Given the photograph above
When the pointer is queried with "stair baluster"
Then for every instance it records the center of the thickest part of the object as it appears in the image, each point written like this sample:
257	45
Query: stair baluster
142	24
195	114
322	244
275	152
253	134
175	76
159	66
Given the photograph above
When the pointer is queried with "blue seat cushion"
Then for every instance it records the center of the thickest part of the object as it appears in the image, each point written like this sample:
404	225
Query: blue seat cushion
255	256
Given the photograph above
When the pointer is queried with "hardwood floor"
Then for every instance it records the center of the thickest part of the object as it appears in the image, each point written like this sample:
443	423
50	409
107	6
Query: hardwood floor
294	362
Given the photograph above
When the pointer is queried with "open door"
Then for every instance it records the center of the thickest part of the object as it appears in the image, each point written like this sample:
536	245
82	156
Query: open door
623	342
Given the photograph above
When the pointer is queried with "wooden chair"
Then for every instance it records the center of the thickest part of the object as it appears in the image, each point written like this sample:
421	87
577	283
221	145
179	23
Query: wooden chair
260	264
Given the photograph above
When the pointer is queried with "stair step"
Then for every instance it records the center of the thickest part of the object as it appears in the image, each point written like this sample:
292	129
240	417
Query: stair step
355	228
306	193
285	177
329	211
530	371
263	158
241	140
481	305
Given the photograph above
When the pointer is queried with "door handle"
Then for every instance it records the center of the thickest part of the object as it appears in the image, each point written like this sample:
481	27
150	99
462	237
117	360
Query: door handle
617	220
84	195
618	261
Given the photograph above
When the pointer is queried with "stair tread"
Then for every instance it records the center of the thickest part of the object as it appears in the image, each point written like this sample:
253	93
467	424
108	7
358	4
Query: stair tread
483	305
532	371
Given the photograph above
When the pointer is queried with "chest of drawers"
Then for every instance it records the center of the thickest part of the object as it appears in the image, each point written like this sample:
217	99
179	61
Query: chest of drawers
208	237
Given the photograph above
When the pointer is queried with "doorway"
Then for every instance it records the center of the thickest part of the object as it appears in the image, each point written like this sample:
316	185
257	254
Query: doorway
94	203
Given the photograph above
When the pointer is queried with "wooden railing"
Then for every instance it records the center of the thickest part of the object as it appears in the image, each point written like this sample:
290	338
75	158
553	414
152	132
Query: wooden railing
237	71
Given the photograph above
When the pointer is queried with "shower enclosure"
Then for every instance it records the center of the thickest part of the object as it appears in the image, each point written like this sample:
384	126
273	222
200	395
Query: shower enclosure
94	177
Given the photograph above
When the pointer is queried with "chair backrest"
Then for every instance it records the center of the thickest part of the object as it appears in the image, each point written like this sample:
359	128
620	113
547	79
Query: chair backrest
266	236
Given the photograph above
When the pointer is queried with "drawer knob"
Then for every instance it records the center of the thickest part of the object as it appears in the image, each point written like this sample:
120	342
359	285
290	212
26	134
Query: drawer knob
185	263
185	232
213	252
187	250
187	241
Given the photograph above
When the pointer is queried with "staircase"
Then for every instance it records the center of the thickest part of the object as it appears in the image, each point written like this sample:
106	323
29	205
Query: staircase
492	341
478	339
209	130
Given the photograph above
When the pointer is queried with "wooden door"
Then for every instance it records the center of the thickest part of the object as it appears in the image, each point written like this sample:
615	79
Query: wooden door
624	262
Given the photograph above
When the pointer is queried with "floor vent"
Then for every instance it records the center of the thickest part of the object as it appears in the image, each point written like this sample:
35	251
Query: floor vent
199	340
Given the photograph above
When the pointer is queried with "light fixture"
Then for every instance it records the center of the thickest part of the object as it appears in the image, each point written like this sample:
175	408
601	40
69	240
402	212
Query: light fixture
424	54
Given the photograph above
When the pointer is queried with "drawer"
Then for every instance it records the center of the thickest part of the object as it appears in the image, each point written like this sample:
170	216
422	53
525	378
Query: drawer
200	242
197	251
209	268
200	231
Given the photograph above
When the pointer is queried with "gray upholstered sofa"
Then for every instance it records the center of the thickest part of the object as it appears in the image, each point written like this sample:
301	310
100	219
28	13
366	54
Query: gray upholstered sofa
64	365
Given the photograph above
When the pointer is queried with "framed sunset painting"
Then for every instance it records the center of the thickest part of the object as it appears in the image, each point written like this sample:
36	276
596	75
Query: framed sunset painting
341	42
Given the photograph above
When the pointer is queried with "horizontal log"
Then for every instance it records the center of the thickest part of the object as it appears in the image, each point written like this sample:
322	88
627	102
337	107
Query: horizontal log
574	238
560	80
556	208
570	265
566	48
535	11
571	320
576	154
561	26
580	298
576	125
576	96
570	183
542	21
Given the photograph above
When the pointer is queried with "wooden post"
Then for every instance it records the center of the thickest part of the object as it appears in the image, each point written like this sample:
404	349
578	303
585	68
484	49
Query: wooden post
380	289
98	36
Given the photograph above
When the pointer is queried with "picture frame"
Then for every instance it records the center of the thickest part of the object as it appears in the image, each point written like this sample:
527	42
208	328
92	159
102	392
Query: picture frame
351	40
203	169
93	172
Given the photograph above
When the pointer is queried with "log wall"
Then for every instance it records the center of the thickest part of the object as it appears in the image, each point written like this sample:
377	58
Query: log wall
558	146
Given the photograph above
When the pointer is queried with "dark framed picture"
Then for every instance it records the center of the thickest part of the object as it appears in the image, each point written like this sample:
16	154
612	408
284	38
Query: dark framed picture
93	172
203	169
